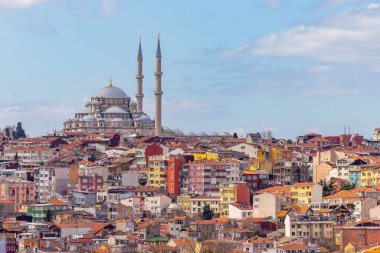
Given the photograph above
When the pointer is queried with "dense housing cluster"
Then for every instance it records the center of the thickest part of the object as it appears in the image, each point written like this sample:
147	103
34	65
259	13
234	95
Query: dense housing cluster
111	192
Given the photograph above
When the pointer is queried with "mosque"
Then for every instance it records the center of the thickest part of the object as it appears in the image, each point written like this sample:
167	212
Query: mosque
111	109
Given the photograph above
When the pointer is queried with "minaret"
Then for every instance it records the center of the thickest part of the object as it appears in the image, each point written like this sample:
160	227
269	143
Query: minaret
139	78
158	92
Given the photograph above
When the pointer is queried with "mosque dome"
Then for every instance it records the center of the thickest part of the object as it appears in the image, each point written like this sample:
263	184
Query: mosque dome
144	118
133	103
111	92
89	118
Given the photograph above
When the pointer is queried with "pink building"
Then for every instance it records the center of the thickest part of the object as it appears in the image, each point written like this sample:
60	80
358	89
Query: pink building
205	176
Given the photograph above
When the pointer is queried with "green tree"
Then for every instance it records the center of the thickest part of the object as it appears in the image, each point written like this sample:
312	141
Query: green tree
49	215
328	188
7	132
347	186
207	213
235	135
20	132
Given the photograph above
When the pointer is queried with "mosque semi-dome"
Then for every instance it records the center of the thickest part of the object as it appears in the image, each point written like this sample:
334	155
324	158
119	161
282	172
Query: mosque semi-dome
89	118
144	118
111	92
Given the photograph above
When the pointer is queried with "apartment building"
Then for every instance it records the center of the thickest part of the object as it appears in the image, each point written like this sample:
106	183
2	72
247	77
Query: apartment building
310	227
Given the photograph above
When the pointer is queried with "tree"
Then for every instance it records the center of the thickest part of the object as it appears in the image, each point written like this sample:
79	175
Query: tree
347	186
20	132
49	215
235	135
7	132
289	141
328	188
16	157
207	213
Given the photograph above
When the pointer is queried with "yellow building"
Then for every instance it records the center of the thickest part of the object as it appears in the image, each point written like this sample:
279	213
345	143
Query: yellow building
206	156
227	196
199	201
262	154
275	154
369	175
302	193
261	164
184	201
158	166
233	193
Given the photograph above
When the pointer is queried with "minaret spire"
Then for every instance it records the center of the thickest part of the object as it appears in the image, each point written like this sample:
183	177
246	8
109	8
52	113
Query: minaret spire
139	78
158	92
158	52
110	84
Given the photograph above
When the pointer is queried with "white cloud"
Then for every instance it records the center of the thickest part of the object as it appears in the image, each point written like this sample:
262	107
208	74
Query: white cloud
347	38
109	6
19	4
321	69
328	4
373	6
38	118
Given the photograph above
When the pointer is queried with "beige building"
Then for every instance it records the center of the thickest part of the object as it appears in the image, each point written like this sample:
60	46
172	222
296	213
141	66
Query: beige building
342	198
309	227
363	207
266	205
156	204
374	213
248	149
321	171
325	156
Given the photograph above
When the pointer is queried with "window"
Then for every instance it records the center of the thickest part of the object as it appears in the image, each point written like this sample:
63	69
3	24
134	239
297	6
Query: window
361	235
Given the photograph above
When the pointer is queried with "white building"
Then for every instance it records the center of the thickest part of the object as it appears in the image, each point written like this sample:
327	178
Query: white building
239	211
30	155
44	181
156	204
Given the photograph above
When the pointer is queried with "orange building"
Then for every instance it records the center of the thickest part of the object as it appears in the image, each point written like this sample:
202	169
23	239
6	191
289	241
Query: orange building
17	191
174	167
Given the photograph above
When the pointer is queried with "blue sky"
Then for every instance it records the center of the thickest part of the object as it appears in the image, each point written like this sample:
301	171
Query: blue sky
288	66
